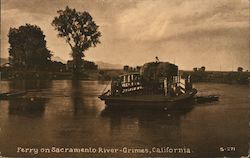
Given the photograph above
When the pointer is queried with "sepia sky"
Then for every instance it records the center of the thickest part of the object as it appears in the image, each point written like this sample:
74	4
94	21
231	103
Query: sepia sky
189	33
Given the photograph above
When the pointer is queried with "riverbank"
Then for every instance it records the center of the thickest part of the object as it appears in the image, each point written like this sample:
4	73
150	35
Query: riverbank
107	74
230	77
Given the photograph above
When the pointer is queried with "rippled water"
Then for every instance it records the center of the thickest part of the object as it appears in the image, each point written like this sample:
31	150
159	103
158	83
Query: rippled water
63	113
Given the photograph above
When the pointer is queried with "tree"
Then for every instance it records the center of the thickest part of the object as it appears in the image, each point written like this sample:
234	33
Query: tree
195	69
28	47
240	69
79	31
203	68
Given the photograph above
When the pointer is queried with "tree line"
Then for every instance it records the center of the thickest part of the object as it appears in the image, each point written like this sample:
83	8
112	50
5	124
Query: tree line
28	49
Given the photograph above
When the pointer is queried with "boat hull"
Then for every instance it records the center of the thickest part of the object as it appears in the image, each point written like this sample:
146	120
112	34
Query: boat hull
149	101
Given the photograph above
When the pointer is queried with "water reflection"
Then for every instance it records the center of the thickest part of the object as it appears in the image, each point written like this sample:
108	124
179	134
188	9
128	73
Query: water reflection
34	107
164	124
29	105
176	111
77	96
29	84
84	98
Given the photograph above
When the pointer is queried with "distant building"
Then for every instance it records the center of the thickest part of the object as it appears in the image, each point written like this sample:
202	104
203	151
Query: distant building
69	65
87	65
201	69
56	66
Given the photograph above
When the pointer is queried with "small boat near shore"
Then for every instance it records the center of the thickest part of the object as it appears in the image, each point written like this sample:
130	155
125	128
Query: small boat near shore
11	94
208	98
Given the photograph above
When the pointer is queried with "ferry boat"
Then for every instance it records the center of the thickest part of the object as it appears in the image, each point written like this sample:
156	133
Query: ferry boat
157	84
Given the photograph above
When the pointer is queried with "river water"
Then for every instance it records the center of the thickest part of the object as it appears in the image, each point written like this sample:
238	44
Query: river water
65	114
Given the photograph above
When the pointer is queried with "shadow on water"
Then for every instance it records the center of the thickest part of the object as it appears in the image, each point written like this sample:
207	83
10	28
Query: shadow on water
28	106
147	117
151	116
29	84
77	98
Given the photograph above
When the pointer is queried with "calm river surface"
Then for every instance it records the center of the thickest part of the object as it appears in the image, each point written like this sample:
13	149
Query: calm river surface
64	114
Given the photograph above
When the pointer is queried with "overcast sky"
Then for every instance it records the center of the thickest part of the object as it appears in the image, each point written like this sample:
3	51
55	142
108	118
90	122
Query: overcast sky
191	33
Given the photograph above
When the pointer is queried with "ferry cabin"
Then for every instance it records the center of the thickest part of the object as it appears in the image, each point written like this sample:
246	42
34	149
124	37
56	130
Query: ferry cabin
133	83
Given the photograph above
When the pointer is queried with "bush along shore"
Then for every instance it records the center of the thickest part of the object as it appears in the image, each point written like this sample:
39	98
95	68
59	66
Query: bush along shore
50	75
232	77
108	74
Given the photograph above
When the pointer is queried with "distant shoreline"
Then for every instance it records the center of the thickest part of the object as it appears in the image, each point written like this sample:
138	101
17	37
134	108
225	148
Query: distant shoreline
107	74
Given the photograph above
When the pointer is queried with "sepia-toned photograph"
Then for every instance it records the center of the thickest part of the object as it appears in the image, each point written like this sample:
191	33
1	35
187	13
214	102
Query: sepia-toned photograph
125	79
